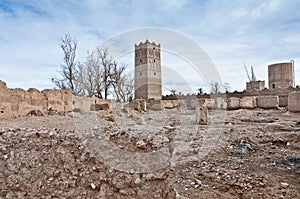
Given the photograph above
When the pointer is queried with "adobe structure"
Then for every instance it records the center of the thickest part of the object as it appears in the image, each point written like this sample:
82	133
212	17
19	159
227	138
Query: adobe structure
18	102
281	75
147	73
255	85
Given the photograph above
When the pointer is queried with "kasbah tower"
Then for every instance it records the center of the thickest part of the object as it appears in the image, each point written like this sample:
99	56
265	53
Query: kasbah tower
147	73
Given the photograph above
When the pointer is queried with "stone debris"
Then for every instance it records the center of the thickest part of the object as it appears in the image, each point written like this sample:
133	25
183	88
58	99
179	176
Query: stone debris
60	166
141	144
93	186
284	185
255	156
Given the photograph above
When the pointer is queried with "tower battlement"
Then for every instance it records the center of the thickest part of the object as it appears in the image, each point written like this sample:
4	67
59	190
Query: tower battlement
141	44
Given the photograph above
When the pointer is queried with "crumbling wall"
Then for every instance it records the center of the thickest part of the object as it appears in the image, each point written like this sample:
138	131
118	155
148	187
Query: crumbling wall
283	100
18	102
170	104
5	101
67	98
294	102
84	104
34	102
268	102
54	100
210	103
103	104
233	103
221	103
248	102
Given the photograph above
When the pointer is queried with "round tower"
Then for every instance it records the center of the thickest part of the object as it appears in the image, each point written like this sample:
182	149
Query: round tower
281	75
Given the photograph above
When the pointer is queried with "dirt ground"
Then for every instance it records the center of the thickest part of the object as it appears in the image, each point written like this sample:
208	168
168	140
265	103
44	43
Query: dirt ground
156	154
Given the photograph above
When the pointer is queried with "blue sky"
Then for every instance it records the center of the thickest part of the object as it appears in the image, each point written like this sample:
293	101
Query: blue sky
232	33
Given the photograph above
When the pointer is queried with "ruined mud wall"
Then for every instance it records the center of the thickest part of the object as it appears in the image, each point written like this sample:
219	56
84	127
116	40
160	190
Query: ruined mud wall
231	103
18	102
84	104
266	99
294	102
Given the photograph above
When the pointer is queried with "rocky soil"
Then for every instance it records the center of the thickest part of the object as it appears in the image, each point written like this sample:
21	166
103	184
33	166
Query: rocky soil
155	154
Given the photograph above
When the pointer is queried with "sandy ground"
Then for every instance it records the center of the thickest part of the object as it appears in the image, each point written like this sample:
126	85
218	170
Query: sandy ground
157	154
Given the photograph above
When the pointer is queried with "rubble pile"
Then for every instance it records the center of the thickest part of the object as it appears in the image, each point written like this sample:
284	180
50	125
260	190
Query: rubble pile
255	155
41	162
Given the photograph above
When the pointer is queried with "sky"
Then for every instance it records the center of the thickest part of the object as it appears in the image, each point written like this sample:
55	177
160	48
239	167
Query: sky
231	33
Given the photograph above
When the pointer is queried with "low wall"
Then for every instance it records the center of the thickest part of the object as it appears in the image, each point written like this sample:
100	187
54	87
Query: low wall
294	102
221	103
18	102
233	103
84	104
268	102
194	103
283	100
248	102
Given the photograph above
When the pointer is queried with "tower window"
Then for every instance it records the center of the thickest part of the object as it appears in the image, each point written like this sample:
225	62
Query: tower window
141	61
154	73
153	48
154	60
141	73
273	85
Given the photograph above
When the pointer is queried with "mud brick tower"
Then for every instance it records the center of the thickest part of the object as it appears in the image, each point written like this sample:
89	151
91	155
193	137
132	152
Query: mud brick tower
147	73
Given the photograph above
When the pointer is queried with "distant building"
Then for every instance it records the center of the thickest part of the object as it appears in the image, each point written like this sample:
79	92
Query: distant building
147	73
281	75
255	85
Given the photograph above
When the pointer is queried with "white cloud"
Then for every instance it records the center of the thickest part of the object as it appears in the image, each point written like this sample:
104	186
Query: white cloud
230	32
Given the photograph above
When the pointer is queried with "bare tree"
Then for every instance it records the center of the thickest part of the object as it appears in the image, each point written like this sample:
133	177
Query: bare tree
106	63
129	87
214	87
86	77
200	91
227	87
93	72
173	91
99	74
69	70
117	80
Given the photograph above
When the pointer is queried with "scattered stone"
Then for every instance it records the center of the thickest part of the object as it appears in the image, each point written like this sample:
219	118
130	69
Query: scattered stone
56	173
141	144
249	146
93	186
137	181
114	133
284	185
159	140
170	128
241	149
